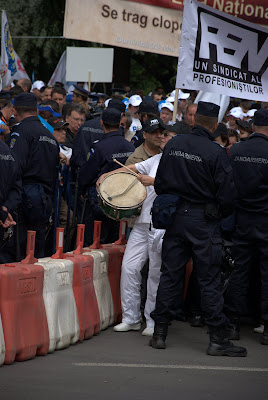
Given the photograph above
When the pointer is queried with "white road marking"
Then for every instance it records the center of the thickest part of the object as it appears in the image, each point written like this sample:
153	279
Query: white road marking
163	366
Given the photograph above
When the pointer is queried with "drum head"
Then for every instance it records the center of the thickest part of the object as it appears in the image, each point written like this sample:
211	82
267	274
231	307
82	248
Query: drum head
122	190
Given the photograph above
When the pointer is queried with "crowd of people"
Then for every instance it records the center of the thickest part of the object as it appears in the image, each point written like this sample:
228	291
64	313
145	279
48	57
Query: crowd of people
210	178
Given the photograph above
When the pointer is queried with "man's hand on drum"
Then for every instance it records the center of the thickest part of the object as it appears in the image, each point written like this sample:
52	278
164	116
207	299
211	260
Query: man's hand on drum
146	180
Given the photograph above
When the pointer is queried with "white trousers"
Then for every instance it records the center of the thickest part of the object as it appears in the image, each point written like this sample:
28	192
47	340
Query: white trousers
138	250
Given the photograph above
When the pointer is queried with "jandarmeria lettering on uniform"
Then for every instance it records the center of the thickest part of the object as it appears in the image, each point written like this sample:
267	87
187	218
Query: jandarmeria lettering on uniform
47	139
257	160
6	157
187	156
94	130
121	155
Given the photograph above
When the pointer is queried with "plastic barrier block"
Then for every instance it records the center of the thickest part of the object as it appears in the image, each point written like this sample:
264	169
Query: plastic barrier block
22	311
102	287
59	302
115	257
2	344
85	297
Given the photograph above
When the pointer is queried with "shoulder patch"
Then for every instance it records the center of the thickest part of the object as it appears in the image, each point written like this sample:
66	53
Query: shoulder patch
15	134
12	143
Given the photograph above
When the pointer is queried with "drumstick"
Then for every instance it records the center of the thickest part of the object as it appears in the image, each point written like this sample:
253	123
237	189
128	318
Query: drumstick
122	165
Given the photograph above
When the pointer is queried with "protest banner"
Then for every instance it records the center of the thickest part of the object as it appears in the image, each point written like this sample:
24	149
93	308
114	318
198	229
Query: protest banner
222	54
251	10
125	24
11	66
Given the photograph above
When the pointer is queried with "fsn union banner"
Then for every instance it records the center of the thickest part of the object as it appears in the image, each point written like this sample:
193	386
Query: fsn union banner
222	54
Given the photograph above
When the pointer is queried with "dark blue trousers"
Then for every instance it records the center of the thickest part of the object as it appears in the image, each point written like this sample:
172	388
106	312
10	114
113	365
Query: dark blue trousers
191	235
250	251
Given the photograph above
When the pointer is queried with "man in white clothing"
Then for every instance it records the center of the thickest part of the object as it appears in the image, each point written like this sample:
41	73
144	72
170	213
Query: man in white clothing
144	242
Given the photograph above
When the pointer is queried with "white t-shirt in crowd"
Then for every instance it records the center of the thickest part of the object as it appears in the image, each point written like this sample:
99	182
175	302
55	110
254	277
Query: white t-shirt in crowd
148	167
136	125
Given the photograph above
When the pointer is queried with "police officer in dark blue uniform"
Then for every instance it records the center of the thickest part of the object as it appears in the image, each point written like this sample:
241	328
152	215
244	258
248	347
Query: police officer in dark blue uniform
100	160
199	172
37	155
10	198
249	160
90	132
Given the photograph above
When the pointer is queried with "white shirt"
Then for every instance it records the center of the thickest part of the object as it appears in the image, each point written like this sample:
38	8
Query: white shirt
148	167
136	125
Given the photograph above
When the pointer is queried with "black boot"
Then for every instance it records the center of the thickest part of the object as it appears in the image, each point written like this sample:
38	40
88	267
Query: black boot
197	321
264	336
159	336
233	328
220	346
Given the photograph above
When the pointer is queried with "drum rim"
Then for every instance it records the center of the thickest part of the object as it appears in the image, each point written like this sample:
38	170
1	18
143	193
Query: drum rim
118	207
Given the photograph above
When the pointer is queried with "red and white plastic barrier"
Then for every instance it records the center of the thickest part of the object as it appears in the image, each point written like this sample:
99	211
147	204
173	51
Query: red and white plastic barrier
50	303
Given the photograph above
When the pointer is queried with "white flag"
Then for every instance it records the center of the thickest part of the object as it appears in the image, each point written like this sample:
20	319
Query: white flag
11	65
222	54
59	75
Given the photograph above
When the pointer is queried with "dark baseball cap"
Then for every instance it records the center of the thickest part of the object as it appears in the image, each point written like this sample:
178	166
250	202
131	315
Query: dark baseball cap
207	109
151	124
25	100
57	123
243	124
177	127
111	115
261	117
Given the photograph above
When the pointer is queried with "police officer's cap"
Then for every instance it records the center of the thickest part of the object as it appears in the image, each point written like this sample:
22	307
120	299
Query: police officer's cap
207	109
111	116
148	106
151	124
25	100
81	91
261	117
117	104
119	91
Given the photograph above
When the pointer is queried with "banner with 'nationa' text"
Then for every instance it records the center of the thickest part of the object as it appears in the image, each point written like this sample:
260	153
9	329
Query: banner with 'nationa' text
222	54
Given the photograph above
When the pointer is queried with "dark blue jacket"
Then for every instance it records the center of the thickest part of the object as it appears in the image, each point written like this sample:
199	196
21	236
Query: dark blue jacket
249	160
87	134
10	183
198	170
138	138
37	153
100	158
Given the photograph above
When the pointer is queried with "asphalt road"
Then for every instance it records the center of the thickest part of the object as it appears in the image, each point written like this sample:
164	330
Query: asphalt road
119	366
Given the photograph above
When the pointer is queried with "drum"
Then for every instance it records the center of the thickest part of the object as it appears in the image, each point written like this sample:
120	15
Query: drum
121	195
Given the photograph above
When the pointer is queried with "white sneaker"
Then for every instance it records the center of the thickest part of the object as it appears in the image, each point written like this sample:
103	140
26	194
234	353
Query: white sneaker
125	327
148	332
259	329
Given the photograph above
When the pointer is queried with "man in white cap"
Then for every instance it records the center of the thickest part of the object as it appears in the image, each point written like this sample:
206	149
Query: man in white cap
166	112
36	86
182	104
133	108
234	114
